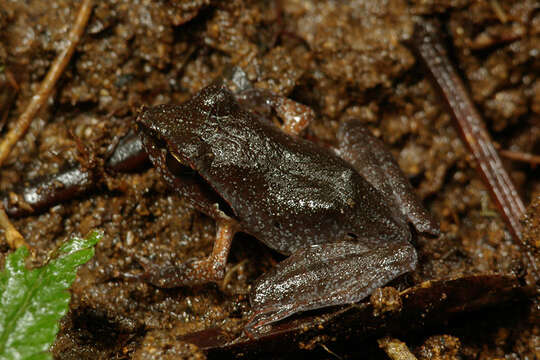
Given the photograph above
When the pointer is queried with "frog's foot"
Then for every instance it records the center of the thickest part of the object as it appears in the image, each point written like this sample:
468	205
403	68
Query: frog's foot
325	275
375	163
211	269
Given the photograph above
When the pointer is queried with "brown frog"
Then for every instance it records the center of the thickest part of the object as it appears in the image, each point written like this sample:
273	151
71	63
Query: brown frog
341	214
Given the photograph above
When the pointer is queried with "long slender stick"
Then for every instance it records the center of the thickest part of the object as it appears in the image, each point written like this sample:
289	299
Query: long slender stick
431	51
47	86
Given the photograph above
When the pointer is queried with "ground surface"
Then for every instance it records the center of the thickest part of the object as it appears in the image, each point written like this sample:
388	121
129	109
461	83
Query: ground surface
341	58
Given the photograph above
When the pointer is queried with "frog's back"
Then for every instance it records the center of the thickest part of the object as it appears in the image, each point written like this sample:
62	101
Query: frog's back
289	192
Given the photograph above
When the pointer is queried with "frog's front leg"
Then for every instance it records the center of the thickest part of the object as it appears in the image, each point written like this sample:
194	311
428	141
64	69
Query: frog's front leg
211	269
324	275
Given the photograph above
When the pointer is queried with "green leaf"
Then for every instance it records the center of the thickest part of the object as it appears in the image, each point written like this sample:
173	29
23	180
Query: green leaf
33	301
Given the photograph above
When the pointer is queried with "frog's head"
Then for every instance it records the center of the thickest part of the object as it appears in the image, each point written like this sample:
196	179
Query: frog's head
183	130
177	138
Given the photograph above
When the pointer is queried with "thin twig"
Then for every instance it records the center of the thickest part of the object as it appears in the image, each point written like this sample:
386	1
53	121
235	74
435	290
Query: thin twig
327	349
47	86
498	10
429	47
395	349
521	156
228	276
13	238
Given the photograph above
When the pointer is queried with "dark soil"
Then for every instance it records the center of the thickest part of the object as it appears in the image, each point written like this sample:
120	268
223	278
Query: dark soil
341	58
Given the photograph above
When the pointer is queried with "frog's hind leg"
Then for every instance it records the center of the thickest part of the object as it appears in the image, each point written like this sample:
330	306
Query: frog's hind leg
324	275
369	156
211	269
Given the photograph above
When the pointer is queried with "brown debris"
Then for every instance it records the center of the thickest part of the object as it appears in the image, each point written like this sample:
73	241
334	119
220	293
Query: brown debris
165	345
531	224
385	300
47	86
440	347
13	238
9	89
395	349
